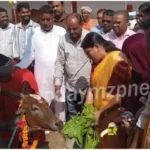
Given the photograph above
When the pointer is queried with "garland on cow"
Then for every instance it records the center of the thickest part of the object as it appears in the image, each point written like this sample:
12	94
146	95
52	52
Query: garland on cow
24	133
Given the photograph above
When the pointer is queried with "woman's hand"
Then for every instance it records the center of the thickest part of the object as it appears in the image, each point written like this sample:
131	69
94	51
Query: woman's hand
126	124
89	97
97	116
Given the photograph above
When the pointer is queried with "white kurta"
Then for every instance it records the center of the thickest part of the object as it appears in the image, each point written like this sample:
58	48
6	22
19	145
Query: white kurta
42	47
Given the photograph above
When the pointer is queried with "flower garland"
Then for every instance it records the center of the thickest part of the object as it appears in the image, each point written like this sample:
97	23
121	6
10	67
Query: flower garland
24	128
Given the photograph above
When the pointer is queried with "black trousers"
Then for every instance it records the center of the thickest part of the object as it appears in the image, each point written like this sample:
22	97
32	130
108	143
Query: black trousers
74	103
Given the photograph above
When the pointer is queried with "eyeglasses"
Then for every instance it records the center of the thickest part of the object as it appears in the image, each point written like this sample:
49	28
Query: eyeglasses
107	21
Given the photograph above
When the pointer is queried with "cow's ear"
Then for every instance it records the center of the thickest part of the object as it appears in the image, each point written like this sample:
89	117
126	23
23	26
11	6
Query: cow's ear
22	108
20	111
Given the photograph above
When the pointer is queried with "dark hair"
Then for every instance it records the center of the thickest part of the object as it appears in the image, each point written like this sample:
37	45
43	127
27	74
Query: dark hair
124	13
93	37
46	9
3	10
23	5
77	16
100	11
145	8
109	12
62	2
49	2
145	24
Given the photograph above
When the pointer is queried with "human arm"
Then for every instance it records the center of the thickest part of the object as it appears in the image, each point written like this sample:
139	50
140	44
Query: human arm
144	116
15	51
89	97
59	67
141	126
28	55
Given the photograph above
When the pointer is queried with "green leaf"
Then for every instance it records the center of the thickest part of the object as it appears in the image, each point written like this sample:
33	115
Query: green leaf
80	127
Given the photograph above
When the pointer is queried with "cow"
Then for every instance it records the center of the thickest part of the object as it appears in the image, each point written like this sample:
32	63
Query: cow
38	115
118	141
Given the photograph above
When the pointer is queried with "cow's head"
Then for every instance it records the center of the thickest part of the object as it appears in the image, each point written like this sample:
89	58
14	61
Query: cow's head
38	114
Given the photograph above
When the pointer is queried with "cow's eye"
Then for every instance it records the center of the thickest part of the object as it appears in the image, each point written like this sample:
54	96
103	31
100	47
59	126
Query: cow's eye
34	107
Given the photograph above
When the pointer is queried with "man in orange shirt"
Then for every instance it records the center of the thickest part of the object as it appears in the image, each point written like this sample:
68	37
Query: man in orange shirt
86	16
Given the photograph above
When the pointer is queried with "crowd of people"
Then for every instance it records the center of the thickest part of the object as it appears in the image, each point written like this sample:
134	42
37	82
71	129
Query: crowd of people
75	62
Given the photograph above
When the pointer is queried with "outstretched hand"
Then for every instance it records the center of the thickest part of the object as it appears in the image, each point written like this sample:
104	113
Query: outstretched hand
58	91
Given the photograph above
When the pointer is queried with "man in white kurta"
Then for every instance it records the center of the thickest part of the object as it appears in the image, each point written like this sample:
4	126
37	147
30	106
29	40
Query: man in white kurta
6	35
42	47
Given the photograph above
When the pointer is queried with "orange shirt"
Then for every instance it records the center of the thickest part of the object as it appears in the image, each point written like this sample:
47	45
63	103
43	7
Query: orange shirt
88	25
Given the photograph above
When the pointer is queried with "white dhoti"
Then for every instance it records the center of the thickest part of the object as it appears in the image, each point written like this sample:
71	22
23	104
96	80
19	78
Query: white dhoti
44	73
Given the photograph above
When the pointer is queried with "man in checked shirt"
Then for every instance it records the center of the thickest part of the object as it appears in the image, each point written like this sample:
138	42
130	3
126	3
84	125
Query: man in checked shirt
73	65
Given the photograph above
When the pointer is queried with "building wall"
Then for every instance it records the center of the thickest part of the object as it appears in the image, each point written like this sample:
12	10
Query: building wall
119	5
33	4
94	5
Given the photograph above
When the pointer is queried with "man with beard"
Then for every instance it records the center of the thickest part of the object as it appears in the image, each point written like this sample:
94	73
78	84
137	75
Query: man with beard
6	35
74	64
59	13
24	28
120	30
42	47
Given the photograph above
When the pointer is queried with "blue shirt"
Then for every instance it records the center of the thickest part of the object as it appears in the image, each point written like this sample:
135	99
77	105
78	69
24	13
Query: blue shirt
98	29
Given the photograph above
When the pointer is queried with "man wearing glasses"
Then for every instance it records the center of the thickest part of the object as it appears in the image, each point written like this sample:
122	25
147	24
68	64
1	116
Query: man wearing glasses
120	30
107	23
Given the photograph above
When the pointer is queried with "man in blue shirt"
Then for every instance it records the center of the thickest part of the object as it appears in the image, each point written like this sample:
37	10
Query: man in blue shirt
107	23
99	20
